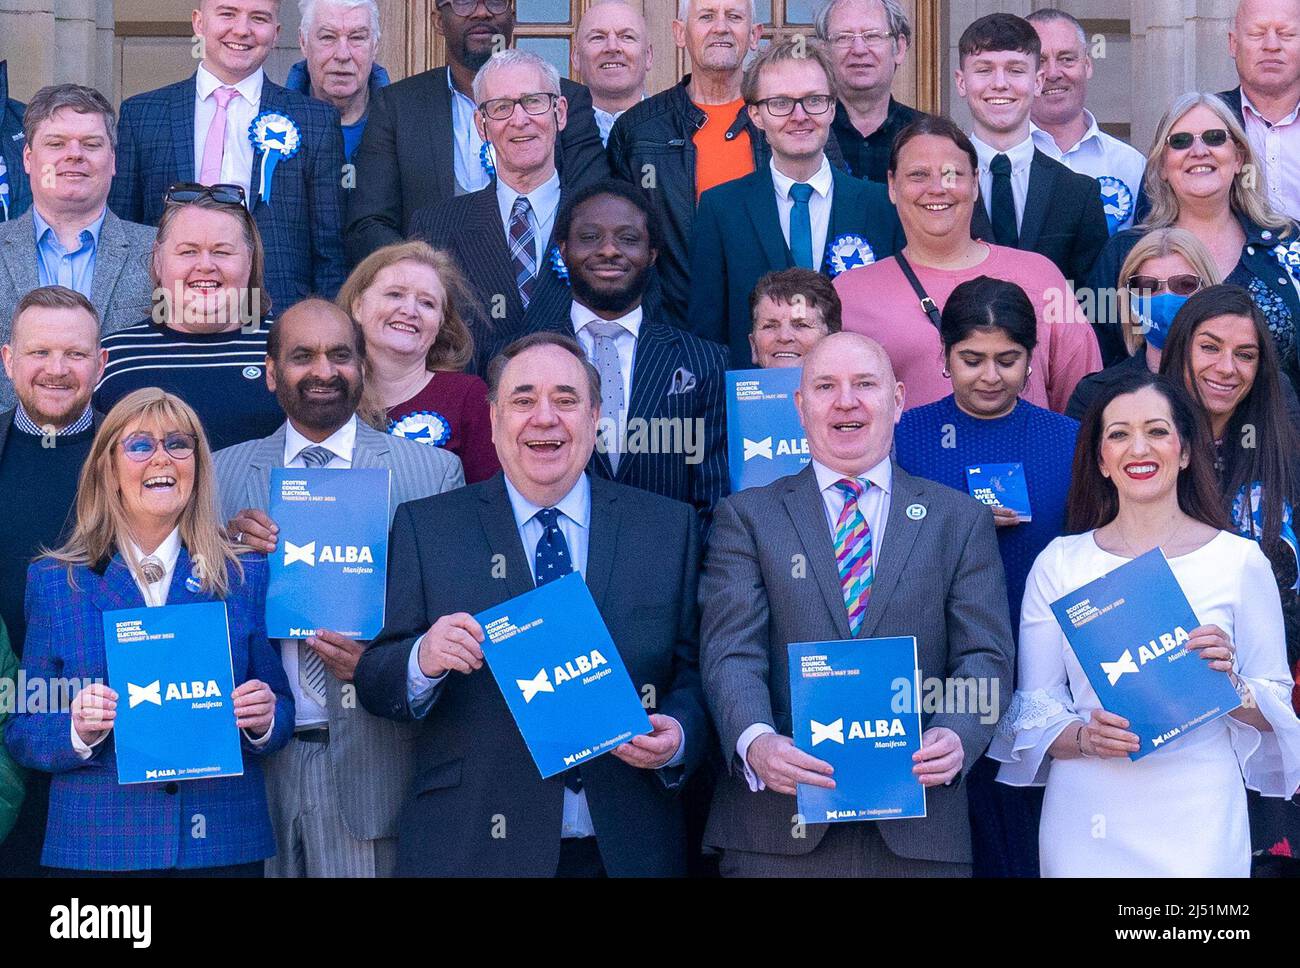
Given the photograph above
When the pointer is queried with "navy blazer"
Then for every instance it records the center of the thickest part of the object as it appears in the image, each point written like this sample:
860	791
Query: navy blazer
95	823
302	225
471	764
11	148
737	239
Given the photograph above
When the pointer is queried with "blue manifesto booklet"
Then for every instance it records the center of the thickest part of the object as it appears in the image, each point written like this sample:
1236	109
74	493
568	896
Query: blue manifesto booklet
765	440
171	669
561	675
1129	631
855	704
330	569
1001	486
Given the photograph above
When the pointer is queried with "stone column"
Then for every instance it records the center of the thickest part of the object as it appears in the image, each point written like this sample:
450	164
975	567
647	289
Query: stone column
75	42
27	42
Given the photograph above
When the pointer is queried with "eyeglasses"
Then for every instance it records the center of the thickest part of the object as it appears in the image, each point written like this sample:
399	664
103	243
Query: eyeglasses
140	447
463	8
780	107
1183	284
501	108
185	192
1213	138
872	38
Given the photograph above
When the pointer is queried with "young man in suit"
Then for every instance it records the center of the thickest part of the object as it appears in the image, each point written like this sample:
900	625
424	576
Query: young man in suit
502	235
1029	201
478	805
198	130
659	385
422	145
335	790
69	237
886	554
797	210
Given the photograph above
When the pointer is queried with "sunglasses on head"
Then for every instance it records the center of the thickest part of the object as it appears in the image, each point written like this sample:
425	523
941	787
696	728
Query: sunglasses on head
185	192
1213	138
1183	284
140	447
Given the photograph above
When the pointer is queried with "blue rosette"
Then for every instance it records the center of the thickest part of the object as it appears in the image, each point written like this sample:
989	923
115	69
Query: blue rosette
278	139
847	252
487	158
425	426
557	264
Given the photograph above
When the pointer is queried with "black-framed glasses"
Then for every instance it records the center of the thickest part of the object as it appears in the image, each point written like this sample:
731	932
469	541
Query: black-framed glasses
1182	284
874	39
500	108
1213	138
185	192
463	8
139	447
780	107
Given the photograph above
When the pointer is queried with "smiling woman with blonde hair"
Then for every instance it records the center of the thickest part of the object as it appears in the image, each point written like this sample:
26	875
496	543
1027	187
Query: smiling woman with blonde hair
146	534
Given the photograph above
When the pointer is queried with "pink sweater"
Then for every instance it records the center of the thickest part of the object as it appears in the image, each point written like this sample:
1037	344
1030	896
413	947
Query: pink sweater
879	302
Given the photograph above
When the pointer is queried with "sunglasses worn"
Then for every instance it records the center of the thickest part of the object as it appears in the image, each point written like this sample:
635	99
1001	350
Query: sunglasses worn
140	447
500	108
1213	138
780	107
185	192
463	8
1183	284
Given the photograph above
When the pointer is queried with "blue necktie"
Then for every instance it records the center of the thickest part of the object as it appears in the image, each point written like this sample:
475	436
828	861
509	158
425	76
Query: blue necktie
801	246
553	561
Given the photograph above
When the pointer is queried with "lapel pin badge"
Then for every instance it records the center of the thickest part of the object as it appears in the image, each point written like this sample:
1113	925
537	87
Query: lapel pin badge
916	511
192	583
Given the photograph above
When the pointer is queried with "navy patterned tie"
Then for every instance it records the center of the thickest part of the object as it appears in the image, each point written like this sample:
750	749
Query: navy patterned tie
553	561
522	255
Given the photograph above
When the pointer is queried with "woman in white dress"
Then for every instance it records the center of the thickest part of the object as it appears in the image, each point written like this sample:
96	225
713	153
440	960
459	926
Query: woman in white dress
1143	480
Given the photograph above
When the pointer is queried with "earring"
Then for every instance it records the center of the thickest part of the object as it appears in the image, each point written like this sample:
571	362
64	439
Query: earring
1029	371
946	374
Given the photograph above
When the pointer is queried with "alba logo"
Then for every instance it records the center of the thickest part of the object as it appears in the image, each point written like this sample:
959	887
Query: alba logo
758	448
152	693
332	554
572	669
1114	670
531	687
864	729
832	731
1166	643
781	448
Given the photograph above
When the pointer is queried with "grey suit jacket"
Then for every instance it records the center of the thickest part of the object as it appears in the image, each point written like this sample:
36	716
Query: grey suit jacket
122	290
370	757
770	578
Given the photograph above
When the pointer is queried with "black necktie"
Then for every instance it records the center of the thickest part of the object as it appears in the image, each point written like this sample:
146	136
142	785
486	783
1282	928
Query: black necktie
551	561
1004	203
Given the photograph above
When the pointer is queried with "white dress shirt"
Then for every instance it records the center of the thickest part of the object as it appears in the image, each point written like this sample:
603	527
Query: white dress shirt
237	160
1098	155
471	176
1021	156
874	504
545	201
819	206
308	712
624	342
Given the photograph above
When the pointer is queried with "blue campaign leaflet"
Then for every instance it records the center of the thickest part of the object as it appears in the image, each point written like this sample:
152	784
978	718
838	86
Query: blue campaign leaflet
765	440
561	675
855	705
330	570
171	669
1001	486
1129	631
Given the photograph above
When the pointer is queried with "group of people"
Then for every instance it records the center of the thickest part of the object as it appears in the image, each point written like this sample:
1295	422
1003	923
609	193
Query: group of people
488	279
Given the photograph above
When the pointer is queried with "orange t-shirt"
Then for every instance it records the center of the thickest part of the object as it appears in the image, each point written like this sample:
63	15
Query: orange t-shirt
717	158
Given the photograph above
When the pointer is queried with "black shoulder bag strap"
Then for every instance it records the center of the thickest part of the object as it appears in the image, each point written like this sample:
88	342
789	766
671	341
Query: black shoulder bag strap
927	304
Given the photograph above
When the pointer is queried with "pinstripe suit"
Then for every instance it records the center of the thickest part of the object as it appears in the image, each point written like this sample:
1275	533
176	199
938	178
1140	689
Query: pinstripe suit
94	823
938	577
368	757
469	227
302	226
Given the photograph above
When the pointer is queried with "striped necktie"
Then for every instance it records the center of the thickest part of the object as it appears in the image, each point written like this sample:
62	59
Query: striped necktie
853	552
311	667
523	258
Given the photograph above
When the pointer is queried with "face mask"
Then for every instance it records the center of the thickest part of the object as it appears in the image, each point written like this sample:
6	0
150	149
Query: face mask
1157	315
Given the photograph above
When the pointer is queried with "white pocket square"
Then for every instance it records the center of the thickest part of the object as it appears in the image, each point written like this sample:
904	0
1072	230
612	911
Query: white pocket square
683	381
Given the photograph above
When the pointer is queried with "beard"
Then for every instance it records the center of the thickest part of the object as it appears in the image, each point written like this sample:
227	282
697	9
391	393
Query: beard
609	301
297	403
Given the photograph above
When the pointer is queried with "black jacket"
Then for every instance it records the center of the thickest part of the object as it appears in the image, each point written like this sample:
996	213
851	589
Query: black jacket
652	145
11	148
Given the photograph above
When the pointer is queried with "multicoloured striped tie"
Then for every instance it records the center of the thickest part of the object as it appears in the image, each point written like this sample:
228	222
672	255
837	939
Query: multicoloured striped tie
853	552
522	256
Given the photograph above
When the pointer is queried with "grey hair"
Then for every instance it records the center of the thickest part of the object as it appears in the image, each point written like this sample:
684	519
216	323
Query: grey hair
516	58
75	97
684	9
1048	15
307	13
895	16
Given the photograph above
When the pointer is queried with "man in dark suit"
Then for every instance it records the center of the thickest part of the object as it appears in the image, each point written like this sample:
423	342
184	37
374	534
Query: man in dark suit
198	130
663	413
797	210
1029	201
54	359
15	191
502	235
478	805
883	554
422	145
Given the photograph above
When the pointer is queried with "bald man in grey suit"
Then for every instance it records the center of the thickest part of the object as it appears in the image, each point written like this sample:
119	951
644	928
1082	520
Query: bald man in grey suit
336	789
771	578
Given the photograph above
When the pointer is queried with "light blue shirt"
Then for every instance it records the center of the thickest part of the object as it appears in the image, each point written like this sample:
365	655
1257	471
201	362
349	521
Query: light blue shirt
471	176
56	266
545	202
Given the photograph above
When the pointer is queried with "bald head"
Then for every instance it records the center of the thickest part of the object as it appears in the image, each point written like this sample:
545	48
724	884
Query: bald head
849	402
612	54
315	366
844	347
1265	43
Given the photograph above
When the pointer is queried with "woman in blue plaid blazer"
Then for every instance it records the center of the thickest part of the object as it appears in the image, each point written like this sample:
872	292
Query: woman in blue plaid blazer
146	533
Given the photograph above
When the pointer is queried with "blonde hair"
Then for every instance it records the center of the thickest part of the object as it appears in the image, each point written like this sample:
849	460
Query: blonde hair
252	240
1154	245
1247	196
101	526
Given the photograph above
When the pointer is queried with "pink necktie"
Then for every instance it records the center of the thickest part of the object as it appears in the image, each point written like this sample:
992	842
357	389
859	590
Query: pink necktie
215	147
